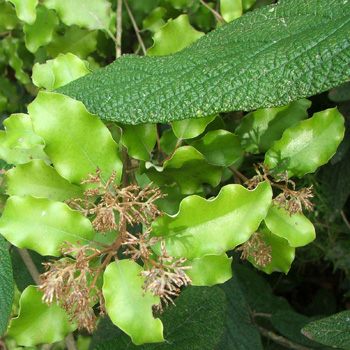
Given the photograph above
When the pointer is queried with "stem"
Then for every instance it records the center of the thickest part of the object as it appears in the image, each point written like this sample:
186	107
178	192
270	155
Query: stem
30	264
118	44
215	13
238	173
137	31
70	342
281	340
345	219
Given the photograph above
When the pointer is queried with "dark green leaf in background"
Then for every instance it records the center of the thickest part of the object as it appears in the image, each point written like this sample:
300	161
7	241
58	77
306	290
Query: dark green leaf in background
266	58
6	286
333	330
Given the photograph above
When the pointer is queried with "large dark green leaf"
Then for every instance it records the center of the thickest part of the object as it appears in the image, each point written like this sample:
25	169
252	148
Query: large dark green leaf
6	286
266	58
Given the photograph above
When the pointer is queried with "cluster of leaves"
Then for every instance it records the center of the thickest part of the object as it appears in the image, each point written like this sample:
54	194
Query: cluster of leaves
129	212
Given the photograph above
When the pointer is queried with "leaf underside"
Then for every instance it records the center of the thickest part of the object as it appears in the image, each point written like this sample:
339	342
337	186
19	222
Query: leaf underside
266	58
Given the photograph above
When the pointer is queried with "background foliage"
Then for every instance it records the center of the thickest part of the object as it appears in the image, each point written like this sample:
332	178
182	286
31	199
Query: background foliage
45	45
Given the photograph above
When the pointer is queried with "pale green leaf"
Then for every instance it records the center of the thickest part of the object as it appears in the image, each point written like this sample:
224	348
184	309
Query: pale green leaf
59	71
333	331
307	145
90	14
38	323
173	37
40	32
20	155
43	225
297	229
190	128
25	9
126	305
188	168
231	9
258	130
282	254
19	132
8	18
203	227
6	286
155	20
76	141
194	323
38	179
139	140
255	61
80	42
10	48
219	147
209	270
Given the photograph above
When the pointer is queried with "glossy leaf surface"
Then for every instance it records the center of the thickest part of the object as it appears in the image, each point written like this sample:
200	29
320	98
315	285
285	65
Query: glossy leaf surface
332	331
59	71
139	140
19	132
6	286
307	145
76	141
188	168
40	32
52	321
204	227
190	128
20	155
38	179
174	36
219	147
43	225
91	14
297	229
258	130
209	270
25	9
256	61
126	305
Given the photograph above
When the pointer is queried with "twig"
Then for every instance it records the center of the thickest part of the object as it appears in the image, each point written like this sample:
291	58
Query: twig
30	264
345	218
215	13
118	44
137	31
69	340
281	340
238	173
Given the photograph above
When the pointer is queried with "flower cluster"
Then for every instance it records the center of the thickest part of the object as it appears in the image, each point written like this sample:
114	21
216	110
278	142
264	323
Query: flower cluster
290	199
256	249
66	281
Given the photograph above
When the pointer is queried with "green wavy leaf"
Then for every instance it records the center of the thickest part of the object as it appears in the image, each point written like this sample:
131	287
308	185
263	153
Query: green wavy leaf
25	9
203	227
126	305
43	225
38	179
297	229
209	270
266	58
7	287
187	167
76	141
259	129
38	323
307	145
91	14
